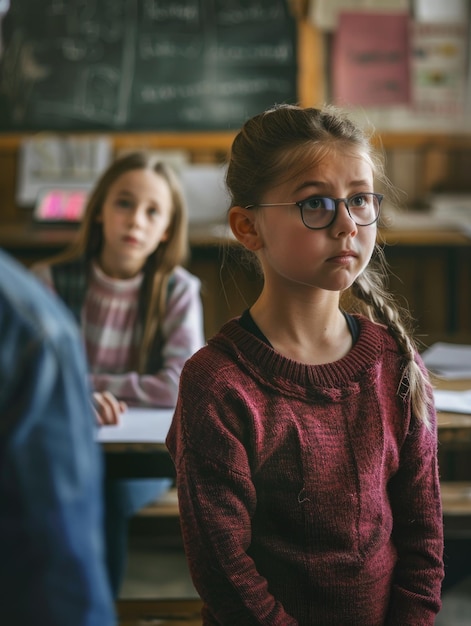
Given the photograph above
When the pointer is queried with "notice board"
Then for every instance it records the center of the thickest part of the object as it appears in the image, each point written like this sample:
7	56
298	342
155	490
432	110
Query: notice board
137	65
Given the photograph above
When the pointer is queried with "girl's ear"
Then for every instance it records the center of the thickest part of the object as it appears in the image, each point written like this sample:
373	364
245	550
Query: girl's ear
242	223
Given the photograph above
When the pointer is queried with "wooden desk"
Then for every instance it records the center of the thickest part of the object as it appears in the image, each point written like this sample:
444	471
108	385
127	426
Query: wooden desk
136	448
454	437
138	462
453	428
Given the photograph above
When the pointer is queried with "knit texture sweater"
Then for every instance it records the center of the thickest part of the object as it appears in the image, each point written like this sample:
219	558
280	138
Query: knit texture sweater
309	495
106	309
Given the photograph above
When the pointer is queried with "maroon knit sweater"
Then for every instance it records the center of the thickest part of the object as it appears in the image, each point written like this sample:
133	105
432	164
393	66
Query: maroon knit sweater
309	494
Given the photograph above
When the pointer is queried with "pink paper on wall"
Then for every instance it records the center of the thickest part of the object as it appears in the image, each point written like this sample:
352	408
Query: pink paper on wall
371	59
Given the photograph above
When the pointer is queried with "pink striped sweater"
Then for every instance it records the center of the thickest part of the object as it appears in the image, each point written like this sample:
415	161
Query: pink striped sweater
108	319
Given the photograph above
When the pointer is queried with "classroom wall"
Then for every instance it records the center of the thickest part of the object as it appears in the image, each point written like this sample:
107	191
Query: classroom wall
426	151
420	162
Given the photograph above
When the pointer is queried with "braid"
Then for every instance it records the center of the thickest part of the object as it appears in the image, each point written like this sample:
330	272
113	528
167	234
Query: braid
377	303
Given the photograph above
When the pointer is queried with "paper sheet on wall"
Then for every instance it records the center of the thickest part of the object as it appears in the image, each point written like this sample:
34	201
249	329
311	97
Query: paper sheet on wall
440	11
439	67
371	59
48	161
324	13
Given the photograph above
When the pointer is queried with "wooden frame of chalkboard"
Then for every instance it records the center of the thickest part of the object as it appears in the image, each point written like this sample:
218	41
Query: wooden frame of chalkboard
145	65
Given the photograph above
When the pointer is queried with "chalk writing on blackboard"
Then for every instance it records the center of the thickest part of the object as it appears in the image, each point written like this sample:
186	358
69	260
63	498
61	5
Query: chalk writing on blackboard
145	64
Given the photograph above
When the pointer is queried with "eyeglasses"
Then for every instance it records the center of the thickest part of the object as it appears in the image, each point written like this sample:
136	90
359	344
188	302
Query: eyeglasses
318	212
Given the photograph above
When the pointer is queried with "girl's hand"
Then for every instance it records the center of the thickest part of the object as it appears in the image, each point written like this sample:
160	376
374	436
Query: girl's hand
107	408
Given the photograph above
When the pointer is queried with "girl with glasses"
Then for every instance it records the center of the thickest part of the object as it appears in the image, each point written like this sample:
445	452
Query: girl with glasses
305	434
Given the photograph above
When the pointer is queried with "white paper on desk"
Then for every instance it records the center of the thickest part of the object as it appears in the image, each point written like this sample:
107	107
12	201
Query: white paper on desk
138	425
448	360
452	401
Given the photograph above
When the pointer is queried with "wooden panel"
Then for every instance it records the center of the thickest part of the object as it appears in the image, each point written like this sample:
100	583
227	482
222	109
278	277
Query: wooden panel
463	288
206	267
230	283
419	279
311	86
8	173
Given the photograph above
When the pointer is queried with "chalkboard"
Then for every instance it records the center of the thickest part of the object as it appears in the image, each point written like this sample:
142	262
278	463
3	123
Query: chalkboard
144	64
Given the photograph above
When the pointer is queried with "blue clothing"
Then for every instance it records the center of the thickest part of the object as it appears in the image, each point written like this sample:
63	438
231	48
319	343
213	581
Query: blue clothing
123	499
52	570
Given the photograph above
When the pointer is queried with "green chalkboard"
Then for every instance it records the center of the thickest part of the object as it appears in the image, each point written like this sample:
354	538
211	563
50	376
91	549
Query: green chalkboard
144	64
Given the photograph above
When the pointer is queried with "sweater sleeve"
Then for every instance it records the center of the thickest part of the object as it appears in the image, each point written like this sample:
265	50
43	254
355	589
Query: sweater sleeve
418	530
217	499
182	337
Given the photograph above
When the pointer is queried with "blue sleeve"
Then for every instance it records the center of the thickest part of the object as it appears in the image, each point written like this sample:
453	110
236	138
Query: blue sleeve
52	570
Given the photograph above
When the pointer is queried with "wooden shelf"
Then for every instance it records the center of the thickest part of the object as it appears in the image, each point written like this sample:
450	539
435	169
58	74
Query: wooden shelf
195	141
221	141
423	140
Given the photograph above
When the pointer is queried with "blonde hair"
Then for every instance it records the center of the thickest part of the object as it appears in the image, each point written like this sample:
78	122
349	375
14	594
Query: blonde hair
266	149
159	265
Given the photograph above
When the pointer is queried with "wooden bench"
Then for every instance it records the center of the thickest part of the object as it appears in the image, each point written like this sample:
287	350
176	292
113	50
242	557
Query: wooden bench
158	522
456	504
184	612
166	506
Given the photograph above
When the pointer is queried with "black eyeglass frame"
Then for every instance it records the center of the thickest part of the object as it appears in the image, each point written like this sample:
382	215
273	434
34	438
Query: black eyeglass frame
379	197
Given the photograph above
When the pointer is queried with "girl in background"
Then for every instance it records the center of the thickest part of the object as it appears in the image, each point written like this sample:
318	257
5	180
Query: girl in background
304	436
139	310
